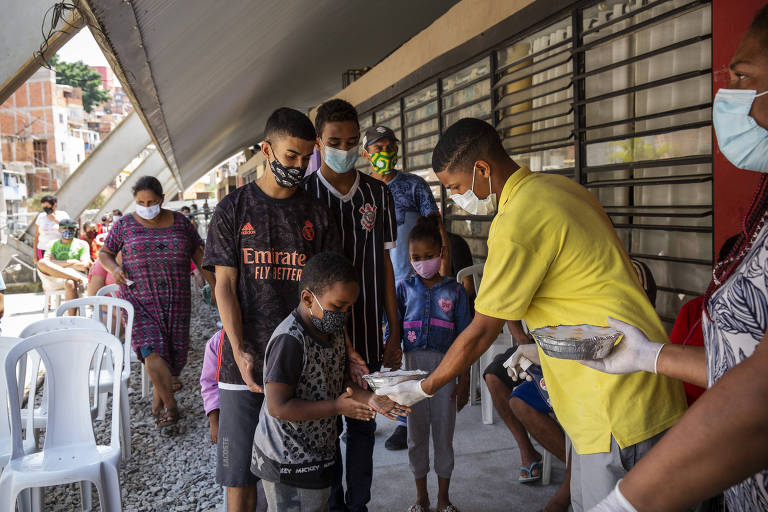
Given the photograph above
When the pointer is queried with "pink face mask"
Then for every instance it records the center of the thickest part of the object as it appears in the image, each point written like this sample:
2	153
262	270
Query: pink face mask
427	268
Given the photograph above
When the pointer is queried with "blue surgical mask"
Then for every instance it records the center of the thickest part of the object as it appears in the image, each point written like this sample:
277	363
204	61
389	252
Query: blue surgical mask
743	142
340	161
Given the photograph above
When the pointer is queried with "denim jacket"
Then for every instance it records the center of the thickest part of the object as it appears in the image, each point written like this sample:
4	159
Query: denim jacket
431	318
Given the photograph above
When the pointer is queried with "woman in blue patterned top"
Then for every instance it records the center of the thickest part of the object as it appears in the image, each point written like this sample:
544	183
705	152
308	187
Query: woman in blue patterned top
720	443
432	310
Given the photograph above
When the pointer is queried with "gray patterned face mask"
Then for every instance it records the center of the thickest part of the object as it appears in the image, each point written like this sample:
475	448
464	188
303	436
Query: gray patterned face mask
331	321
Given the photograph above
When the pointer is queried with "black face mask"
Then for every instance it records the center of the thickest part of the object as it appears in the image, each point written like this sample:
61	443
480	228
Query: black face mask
287	177
331	321
48	210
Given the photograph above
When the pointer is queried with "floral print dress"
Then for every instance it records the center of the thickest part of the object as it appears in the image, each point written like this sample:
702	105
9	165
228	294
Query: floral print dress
157	261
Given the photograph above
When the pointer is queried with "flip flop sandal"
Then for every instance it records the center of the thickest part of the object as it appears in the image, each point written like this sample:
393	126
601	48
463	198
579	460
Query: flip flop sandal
168	418
449	508
417	508
530	478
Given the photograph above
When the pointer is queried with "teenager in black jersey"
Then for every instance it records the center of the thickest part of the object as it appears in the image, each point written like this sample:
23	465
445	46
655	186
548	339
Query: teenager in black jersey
259	240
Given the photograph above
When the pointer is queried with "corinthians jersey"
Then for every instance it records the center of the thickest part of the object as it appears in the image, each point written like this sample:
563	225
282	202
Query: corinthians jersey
366	219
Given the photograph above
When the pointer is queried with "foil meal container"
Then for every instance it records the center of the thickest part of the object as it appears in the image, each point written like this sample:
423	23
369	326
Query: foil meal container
383	379
576	341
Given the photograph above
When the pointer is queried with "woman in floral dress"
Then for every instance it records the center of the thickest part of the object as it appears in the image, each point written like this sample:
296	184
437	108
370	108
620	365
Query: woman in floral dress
157	245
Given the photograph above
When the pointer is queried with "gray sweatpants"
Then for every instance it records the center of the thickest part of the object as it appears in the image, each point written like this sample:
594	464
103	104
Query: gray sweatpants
286	498
595	475
438	414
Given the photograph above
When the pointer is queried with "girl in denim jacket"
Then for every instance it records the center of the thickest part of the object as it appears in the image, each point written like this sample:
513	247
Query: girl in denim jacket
432	310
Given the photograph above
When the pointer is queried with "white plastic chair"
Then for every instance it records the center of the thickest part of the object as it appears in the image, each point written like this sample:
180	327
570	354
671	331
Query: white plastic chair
112	290
500	345
503	342
6	442
70	453
52	292
109	311
40	414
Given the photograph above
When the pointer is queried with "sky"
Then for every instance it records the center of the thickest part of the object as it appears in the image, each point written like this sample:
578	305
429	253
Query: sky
83	47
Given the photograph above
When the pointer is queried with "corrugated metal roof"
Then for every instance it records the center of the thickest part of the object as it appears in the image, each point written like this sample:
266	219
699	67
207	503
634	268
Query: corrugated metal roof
207	74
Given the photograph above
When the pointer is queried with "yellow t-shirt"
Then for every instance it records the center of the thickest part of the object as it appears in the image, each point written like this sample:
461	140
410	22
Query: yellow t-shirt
554	259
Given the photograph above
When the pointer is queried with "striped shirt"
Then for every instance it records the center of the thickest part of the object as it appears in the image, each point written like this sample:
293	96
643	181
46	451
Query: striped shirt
366	218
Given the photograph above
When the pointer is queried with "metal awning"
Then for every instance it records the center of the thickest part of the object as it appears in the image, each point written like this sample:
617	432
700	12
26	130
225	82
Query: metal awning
205	75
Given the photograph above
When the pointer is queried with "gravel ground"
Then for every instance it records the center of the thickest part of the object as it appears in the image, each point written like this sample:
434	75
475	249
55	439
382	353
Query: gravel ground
173	469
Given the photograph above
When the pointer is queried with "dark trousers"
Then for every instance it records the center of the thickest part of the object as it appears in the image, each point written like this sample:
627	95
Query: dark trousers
359	463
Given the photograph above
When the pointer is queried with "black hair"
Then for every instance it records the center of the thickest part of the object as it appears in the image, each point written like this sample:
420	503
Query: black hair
427	229
52	200
185	208
88	223
290	122
333	111
464	142
117	211
725	250
325	269
147	183
759	25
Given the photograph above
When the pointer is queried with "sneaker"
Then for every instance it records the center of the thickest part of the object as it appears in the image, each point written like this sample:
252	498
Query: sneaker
398	440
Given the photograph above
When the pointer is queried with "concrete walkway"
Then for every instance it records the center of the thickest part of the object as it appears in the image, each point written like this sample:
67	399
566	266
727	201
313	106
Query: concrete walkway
484	478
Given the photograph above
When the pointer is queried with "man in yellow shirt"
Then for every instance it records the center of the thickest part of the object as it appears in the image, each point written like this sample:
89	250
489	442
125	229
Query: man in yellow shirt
554	259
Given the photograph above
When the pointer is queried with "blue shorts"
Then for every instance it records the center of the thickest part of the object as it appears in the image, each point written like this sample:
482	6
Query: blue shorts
528	393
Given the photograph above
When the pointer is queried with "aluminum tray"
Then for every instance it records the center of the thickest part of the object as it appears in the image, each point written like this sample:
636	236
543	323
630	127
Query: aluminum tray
383	379
576	341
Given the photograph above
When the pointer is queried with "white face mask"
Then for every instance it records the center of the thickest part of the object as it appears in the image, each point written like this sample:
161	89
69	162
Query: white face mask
470	203
148	212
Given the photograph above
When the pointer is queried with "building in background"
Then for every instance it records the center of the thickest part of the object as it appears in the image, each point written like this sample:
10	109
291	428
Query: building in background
614	94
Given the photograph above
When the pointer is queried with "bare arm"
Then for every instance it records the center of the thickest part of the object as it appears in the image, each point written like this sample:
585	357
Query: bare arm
720	441
466	349
2	303
392	353
231	317
518	333
210	277
683	362
445	252
35	241
110	264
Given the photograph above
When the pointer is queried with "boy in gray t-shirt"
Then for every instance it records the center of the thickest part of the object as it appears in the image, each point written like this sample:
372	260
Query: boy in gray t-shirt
304	374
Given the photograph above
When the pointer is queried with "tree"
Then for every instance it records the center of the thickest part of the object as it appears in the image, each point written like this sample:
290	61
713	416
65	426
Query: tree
79	74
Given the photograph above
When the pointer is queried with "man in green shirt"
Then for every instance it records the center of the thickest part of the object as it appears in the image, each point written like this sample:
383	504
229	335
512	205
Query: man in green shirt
66	262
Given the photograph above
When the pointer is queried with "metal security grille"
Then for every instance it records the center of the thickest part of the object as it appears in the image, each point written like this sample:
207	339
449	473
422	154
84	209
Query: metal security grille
615	95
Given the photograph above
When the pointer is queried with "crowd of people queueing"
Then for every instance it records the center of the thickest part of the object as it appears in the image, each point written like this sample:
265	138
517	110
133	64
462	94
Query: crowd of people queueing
321	279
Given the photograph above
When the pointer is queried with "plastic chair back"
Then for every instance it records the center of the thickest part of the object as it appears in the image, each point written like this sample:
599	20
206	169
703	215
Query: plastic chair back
33	358
110	290
109	311
476	271
67	358
6	344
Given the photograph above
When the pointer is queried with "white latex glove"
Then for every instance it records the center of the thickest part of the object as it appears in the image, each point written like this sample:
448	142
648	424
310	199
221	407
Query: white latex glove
406	393
614	502
634	353
528	351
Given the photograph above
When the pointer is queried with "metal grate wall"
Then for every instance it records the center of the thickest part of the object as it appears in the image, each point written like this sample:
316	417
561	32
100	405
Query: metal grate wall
617	96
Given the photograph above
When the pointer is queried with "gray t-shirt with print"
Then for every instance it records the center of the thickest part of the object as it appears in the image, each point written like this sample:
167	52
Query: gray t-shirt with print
300	453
